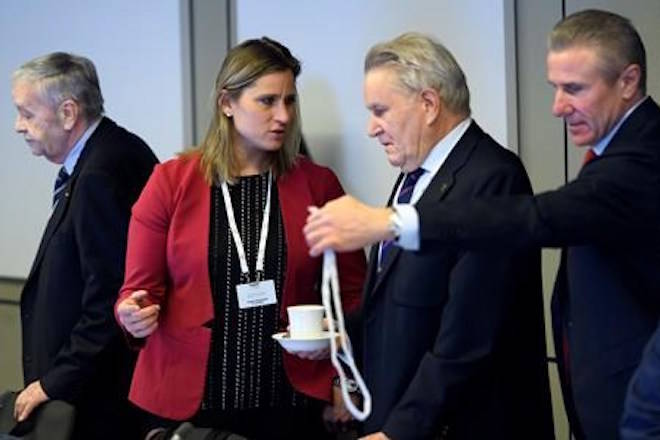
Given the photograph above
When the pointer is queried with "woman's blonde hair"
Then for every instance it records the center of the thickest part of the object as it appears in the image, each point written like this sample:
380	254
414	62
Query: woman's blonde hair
243	65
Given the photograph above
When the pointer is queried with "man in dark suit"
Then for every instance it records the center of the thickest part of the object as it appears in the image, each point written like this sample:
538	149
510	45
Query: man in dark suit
72	348
453	340
607	221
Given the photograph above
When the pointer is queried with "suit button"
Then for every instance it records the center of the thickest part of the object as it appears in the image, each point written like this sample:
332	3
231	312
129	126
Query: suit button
26	316
27	359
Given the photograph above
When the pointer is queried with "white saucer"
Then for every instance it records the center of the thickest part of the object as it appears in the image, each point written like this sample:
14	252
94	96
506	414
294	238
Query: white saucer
302	344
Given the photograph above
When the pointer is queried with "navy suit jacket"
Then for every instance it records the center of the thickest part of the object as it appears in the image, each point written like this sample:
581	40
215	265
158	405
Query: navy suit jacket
453	340
71	342
641	414
606	299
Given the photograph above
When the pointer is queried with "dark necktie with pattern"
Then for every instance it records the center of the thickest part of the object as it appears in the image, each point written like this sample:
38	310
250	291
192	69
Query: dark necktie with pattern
405	193
60	183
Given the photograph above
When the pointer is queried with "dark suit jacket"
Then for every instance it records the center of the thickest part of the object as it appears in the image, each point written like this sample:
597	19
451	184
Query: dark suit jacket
71	342
454	340
607	293
641	414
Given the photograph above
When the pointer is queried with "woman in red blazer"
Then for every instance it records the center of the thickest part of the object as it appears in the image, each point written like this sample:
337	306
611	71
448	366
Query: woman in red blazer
203	356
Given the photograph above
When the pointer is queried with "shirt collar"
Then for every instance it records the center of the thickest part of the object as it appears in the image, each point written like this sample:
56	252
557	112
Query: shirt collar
74	154
441	150
600	147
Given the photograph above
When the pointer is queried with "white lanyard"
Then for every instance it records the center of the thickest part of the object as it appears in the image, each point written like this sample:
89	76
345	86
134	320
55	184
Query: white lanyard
240	249
332	302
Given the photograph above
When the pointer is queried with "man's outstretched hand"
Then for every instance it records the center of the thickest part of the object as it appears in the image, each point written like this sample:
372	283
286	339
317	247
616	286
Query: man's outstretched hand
345	224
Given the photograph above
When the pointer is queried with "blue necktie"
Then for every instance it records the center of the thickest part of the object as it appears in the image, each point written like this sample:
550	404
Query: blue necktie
405	193
60	183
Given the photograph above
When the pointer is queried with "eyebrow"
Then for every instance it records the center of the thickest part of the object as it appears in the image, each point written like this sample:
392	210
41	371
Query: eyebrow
273	94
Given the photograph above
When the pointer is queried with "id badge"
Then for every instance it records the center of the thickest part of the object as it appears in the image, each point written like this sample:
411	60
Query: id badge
257	294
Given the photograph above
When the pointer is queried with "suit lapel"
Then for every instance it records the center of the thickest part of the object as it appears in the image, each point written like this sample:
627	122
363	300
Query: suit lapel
53	222
437	190
445	178
374	276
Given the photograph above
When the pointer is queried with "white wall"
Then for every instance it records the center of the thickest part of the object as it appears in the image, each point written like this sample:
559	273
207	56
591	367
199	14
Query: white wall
331	38
136	46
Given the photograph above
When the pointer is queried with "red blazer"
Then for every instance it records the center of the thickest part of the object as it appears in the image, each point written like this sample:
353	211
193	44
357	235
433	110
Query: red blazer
167	256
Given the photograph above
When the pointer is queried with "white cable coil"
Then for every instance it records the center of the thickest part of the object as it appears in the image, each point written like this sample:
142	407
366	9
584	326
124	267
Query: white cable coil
332	302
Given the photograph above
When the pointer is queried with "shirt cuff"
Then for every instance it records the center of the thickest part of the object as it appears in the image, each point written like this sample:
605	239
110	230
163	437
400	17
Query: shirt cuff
407	222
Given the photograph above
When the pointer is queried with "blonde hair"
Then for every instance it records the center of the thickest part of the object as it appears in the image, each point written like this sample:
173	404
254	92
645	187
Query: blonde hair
243	65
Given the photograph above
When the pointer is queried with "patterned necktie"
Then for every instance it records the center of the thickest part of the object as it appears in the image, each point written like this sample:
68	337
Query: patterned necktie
60	183
405	193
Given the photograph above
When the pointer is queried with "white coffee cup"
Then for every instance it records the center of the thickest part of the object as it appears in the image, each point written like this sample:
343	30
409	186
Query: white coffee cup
305	321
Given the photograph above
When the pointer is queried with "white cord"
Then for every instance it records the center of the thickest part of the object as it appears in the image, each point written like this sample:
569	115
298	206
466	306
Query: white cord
331	297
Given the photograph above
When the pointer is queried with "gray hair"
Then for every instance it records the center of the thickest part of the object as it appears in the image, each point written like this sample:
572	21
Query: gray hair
61	76
421	62
614	37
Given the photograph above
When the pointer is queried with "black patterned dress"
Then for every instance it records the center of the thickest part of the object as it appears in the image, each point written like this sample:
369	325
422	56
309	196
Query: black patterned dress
246	386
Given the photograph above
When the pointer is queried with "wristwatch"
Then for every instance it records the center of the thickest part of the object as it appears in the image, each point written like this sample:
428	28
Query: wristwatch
351	384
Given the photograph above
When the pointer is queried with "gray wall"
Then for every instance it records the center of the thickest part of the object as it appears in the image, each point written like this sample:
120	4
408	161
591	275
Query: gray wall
10	335
206	35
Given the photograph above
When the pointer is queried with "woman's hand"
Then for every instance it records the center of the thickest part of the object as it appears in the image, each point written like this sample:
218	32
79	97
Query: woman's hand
336	416
339	409
314	355
138	319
